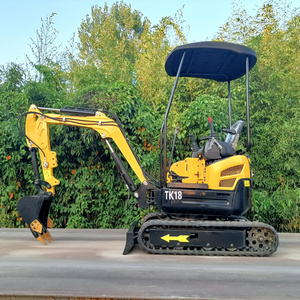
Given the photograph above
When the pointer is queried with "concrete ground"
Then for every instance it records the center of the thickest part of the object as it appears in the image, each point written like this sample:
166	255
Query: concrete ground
88	263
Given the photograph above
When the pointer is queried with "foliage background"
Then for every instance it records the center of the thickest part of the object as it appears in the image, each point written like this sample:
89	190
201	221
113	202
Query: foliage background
119	65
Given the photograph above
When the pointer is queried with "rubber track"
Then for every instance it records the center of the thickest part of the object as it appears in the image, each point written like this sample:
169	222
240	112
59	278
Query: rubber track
209	225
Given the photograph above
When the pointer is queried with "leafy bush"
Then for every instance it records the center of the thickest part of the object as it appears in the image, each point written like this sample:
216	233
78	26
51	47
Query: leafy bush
91	193
113	76
280	209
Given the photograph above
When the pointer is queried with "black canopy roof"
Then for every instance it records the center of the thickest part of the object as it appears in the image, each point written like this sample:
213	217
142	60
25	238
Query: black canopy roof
211	60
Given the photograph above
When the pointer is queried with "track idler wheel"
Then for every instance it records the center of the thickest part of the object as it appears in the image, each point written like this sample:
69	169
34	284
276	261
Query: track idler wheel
34	211
262	239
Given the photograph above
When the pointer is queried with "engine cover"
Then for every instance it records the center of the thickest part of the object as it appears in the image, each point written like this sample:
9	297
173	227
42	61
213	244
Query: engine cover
193	201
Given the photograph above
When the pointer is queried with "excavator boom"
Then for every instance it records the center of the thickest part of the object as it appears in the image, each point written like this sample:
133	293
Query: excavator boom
37	134
35	209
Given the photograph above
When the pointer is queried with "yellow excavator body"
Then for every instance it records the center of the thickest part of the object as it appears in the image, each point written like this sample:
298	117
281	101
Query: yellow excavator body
221	175
201	200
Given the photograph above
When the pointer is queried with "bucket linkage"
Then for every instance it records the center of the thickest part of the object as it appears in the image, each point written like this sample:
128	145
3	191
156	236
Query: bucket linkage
34	209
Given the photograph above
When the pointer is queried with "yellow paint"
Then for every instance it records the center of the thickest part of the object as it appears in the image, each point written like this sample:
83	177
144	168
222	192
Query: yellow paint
37	131
247	183
39	238
47	236
49	222
179	238
36	226
195	171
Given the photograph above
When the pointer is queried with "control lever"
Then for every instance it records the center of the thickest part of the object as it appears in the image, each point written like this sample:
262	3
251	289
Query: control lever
177	129
232	131
204	138
195	147
211	127
212	139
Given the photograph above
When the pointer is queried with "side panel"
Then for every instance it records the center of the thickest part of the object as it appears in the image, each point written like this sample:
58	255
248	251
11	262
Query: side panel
226	173
222	238
223	174
205	201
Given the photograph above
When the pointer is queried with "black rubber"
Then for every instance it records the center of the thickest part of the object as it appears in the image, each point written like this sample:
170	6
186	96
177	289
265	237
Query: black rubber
260	239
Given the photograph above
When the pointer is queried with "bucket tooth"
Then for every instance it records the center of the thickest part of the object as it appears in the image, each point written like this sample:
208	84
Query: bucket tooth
50	236
40	238
49	223
47	236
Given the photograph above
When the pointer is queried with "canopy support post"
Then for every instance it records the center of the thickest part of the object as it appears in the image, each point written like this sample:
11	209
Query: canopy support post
229	103
163	130
248	104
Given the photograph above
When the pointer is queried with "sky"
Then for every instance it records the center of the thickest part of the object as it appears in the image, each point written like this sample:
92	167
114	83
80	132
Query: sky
20	19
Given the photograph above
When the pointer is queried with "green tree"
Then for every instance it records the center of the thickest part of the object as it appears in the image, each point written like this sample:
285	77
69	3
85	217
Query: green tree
120	68
43	47
12	77
155	45
275	102
108	40
13	161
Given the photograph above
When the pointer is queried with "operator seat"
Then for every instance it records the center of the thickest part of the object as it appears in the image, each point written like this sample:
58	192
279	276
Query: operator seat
232	139
214	149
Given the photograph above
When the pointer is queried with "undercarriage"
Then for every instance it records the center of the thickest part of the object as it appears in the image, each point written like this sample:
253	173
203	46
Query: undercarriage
203	237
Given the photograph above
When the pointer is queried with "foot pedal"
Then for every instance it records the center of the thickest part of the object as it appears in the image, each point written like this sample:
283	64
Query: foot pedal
131	237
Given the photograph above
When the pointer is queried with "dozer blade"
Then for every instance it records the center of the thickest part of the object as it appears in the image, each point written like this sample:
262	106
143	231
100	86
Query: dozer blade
131	237
34	210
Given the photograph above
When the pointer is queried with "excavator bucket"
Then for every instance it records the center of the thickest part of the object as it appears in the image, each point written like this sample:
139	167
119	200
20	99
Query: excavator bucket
34	210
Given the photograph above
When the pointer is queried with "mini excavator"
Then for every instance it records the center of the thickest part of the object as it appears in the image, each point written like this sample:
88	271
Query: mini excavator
200	200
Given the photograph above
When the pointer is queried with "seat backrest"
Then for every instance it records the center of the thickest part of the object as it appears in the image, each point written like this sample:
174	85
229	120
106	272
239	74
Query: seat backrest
232	139
214	150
